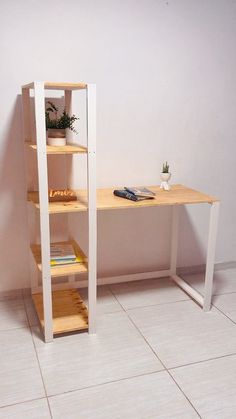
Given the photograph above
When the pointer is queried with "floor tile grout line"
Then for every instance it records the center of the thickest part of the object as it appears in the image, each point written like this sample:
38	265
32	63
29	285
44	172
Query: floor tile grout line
23	402
159	304
213	295
224	314
213	304
106	383
202	361
31	333
143	337
184	394
161	362
146	306
224	293
179	366
112	293
174	302
165	368
26	326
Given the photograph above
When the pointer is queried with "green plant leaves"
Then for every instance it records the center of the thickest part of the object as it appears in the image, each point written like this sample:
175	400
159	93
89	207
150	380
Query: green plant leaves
63	122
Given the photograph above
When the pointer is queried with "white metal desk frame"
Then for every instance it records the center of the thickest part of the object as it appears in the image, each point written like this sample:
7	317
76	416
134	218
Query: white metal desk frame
205	301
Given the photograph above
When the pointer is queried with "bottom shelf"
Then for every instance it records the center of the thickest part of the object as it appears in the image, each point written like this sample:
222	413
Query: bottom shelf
69	311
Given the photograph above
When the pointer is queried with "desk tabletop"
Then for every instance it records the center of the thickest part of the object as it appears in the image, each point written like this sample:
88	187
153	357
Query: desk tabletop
178	195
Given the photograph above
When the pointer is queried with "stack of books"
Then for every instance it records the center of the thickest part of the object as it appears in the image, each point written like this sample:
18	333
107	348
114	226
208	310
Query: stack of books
63	254
134	193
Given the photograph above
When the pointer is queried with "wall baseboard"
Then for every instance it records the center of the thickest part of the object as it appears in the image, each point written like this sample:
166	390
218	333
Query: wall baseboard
186	270
196	269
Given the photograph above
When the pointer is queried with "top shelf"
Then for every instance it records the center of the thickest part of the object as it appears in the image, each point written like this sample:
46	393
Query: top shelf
58	86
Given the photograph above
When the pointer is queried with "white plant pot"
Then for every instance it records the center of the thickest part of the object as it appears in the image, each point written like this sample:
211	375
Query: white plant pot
56	137
165	177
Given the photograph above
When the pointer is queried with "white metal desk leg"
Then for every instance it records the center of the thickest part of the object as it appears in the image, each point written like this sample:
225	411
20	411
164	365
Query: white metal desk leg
174	239
92	206
214	213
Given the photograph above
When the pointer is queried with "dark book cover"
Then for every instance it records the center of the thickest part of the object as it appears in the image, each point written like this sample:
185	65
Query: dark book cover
140	191
122	193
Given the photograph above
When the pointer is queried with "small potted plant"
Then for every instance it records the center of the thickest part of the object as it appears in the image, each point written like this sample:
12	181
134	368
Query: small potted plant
56	126
165	177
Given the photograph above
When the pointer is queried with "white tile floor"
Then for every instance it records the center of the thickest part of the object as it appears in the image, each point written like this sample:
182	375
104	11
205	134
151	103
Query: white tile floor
156	355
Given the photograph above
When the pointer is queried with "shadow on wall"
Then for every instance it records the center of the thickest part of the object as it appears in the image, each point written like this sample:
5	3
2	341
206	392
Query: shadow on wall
139	241
193	225
14	253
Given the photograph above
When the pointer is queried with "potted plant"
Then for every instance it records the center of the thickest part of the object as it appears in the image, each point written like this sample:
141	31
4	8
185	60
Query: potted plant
56	126
165	177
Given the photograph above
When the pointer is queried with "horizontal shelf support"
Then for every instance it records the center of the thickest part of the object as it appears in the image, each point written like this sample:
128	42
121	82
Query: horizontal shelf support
82	283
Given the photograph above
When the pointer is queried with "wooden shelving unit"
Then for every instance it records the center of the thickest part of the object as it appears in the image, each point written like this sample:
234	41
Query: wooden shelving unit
61	311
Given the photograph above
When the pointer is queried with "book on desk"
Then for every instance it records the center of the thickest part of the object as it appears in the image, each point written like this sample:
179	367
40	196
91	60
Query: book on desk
134	193
141	191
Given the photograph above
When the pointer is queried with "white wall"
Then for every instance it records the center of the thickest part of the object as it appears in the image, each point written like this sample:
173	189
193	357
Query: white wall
166	83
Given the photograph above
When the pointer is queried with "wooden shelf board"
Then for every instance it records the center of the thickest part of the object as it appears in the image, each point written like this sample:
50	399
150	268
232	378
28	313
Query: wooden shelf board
178	195
58	86
69	311
62	270
69	148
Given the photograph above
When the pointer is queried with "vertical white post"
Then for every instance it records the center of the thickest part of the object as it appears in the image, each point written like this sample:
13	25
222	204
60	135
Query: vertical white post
68	107
214	214
92	206
27	138
26	114
32	221
174	239
69	137
44	214
68	162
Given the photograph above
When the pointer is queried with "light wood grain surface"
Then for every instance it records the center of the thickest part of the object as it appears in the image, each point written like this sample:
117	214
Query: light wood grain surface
69	311
66	149
58	86
178	195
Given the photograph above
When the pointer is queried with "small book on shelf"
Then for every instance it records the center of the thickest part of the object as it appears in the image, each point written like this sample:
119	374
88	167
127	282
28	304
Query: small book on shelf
62	251
140	191
64	254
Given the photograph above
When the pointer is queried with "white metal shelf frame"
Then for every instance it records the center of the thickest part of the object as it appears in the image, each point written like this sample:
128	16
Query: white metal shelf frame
39	97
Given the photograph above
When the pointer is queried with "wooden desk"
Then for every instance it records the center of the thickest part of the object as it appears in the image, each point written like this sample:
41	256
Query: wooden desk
177	196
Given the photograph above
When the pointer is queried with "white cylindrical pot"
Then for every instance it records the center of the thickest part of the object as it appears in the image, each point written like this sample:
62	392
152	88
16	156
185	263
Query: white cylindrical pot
56	137
165	177
56	141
